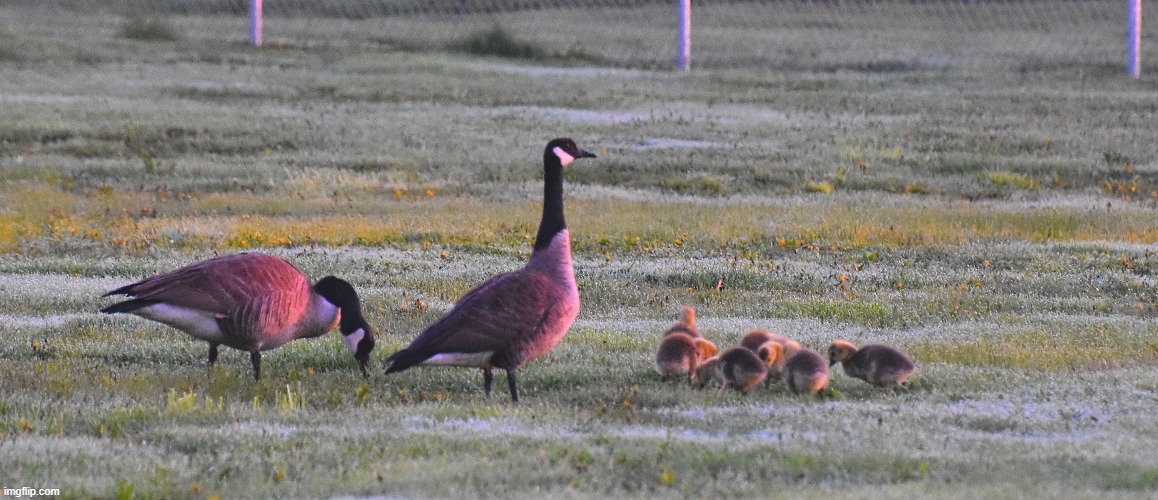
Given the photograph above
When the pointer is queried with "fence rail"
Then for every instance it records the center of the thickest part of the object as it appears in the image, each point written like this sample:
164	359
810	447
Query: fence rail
1020	35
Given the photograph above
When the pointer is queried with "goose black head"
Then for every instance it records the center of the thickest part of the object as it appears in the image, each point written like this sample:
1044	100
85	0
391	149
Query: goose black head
564	151
357	335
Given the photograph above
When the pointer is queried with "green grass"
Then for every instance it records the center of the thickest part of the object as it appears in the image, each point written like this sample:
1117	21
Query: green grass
995	217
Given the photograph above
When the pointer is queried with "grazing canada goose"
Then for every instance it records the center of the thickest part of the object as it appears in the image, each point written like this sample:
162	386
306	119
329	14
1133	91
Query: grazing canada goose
739	368
251	302
805	372
680	354
876	364
686	324
756	338
514	317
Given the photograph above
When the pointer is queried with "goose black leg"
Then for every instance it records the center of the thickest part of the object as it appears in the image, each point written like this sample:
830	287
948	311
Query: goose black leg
512	384
255	358
212	356
488	380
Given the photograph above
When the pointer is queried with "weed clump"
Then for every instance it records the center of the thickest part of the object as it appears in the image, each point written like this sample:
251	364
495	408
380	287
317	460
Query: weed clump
497	41
150	30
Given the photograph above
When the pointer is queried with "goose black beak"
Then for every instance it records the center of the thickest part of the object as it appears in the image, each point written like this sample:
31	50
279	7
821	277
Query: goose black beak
585	154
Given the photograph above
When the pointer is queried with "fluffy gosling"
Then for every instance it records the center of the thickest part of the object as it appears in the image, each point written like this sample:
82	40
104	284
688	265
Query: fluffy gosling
679	354
740	369
706	371
877	364
686	324
756	338
805	372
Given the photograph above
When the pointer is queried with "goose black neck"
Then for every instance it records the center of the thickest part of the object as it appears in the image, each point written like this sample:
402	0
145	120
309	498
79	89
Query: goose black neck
340	293
553	221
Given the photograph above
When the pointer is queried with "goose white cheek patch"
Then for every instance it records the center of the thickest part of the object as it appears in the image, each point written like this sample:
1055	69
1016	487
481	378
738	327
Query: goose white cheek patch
564	158
353	339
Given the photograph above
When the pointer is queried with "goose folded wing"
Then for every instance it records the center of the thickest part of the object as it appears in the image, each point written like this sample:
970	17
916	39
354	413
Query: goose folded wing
505	310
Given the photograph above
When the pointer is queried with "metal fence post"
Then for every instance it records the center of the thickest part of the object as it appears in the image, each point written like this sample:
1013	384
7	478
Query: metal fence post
255	23
684	59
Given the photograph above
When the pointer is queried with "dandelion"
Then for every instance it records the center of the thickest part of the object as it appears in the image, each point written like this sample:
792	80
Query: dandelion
430	193
398	193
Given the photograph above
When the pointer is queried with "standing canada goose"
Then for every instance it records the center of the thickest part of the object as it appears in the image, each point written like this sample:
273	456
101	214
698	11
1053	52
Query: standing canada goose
739	368
514	317
686	324
805	371
251	302
680	353
876	364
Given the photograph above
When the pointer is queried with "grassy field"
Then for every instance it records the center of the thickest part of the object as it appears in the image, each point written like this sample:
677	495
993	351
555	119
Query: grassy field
999	225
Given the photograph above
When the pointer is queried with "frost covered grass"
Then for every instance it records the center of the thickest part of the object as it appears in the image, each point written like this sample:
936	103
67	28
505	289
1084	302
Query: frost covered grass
1023	384
998	227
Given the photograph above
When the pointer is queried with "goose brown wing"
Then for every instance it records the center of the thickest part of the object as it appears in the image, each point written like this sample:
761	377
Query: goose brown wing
251	289
505	310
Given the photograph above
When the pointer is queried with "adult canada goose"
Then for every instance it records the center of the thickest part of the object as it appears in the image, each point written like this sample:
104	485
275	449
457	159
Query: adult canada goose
251	302
680	354
686	324
805	372
876	364
739	368
514	317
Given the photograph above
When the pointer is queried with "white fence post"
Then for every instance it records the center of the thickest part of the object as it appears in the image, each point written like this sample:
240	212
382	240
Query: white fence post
255	23
1134	44
684	59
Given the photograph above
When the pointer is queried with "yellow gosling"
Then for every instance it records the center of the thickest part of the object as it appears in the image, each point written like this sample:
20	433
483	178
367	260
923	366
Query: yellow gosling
679	354
772	354
756	338
686	324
